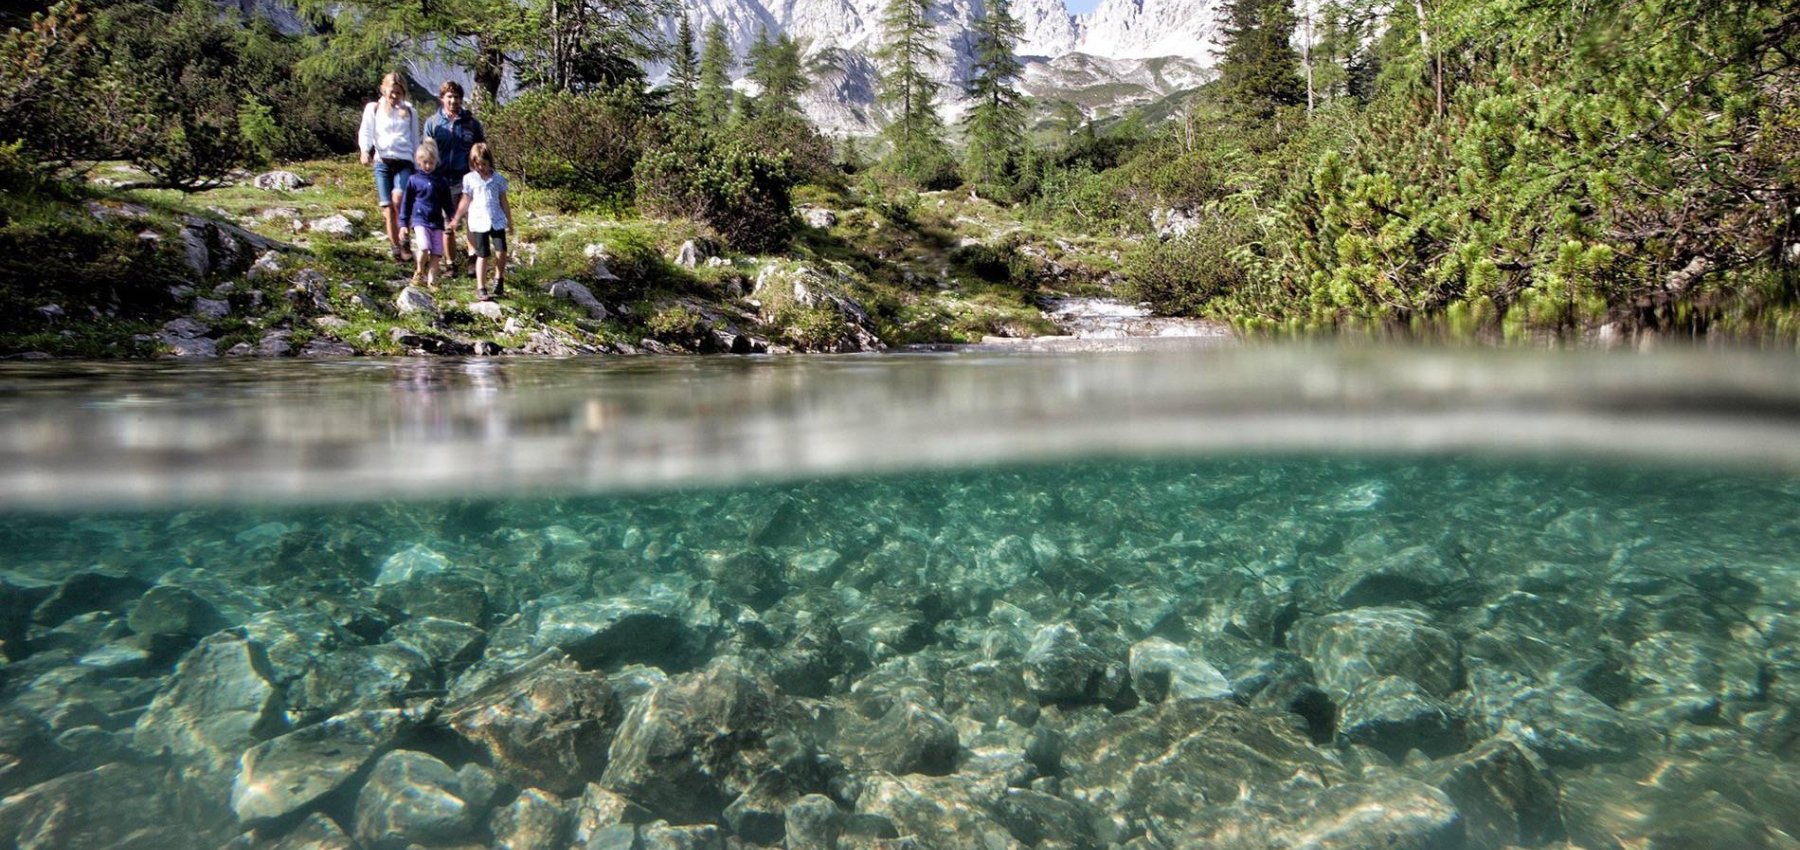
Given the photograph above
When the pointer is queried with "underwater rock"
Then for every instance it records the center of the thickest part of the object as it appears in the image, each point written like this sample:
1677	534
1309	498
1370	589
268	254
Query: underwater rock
1393	813
1352	647
167	610
112	807
293	638
1622	807
412	562
1166	762
815	656
463	598
1565	725
87	592
694	743
760	813
411	797
284	775
1034	817
359	677
1161	669
937	811
534	820
218	703
315	832
1414	574
19	595
1394	715
1678	677
1264	677
988	693
1061	668
908	738
1505	794
600	810
548	729
28	751
447	643
664	629
812	822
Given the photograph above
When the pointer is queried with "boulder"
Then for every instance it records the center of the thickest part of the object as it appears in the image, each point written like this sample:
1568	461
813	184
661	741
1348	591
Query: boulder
534	820
310	292
490	310
1060	667
1161	669
812	822
663	628
169	610
1166	762
218	703
1505	794
1393	813
447	643
1564	724
1415	574
1677	676
359	677
818	217
689	255
279	181
315	832
112	807
1394	715
694	743
910	737
333	225
549	728
211	308
580	296
85	592
288	774
413	300
327	348
1349	648
937	811
412	798
276	343
600	810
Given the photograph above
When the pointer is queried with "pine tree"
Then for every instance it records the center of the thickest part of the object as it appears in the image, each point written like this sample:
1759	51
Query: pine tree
780	73
684	72
713	101
996	123
915	132
1259	71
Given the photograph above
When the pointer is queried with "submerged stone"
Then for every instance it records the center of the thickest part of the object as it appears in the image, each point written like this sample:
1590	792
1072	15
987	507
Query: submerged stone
1394	715
112	807
1161	669
218	703
360	677
1394	813
534	820
1566	725
411	797
1505	794
287	774
1061	667
315	832
694	743
1351	647
548	729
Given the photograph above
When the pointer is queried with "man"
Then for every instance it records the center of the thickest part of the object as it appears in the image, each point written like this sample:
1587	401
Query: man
455	130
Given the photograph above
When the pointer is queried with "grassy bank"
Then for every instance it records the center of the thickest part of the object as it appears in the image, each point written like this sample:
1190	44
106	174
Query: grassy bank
103	269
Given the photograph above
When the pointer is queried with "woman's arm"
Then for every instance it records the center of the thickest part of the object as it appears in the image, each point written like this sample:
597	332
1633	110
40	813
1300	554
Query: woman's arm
365	135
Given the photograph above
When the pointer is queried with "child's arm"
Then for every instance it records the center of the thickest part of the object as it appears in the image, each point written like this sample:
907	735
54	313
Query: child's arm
462	210
506	207
406	204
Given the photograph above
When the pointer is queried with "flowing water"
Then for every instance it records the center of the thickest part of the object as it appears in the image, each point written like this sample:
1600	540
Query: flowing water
1188	597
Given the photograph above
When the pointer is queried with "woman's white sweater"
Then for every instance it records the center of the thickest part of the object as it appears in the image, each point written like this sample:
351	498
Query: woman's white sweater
391	134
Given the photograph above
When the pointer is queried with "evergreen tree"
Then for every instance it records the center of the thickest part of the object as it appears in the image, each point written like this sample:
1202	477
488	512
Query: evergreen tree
780	73
684	72
996	123
713	101
1259	72
914	131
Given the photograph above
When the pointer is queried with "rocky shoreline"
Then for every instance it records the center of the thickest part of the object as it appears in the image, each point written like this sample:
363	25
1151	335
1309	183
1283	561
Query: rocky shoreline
798	668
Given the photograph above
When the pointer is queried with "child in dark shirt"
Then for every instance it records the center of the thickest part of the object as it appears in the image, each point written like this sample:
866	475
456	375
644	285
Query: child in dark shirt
425	209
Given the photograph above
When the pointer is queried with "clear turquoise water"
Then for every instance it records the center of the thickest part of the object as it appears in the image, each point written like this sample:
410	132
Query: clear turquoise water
1641	501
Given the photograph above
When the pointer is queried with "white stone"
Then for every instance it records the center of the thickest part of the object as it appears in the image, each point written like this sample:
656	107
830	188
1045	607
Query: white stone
333	225
415	300
279	181
569	290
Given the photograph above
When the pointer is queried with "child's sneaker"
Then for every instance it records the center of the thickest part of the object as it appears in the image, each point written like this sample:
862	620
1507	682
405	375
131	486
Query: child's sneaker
481	294
418	279
499	287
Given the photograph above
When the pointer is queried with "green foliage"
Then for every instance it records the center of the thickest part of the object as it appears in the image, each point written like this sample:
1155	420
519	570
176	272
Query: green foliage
53	105
1186	274
714	99
675	323
995	124
731	183
914	132
684	70
582	147
1258	69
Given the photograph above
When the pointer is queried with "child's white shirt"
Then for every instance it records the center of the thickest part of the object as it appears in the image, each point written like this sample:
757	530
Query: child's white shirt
484	194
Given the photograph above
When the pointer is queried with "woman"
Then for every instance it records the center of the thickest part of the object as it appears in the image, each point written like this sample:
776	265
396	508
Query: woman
387	138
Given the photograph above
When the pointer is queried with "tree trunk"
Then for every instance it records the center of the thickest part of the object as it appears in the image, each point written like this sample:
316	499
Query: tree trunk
490	69
1437	64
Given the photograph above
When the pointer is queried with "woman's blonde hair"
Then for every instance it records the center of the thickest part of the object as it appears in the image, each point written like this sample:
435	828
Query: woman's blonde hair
393	78
426	152
480	153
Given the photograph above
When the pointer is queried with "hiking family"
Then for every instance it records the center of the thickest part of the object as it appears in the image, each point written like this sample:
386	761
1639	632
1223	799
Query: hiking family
430	178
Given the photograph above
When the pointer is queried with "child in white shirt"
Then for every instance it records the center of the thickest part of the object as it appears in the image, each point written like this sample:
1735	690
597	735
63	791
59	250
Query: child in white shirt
489	211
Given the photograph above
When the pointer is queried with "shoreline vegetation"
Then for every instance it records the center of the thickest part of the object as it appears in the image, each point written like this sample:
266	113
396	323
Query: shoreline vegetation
1469	170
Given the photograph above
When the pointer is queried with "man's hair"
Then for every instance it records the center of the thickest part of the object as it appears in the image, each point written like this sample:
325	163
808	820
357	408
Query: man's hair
450	86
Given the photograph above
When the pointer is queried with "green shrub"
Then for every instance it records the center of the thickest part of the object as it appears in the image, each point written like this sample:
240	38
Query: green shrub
729	184
1183	275
581	147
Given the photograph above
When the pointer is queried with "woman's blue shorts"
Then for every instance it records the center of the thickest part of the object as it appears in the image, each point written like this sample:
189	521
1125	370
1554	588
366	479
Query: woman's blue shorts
390	174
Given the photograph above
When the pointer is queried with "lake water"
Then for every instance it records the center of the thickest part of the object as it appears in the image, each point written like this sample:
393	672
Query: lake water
1188	596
